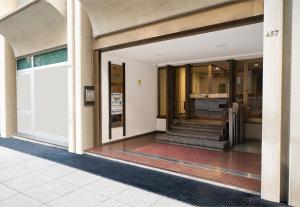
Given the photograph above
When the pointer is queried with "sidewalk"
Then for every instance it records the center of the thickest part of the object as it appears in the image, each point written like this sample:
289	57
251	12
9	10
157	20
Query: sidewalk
36	175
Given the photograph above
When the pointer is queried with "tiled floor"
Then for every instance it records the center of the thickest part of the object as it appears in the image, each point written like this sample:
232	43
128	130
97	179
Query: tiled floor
29	181
240	167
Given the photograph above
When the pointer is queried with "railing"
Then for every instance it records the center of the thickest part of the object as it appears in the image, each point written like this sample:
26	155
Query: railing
235	124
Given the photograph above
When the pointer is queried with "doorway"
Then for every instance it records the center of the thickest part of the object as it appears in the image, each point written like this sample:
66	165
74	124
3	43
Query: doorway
195	96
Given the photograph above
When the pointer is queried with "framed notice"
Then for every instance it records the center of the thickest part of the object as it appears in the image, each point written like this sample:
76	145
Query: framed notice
116	103
117	96
89	95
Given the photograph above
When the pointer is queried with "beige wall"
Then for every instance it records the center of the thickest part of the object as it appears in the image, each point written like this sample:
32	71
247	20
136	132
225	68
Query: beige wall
23	24
110	16
8	115
215	16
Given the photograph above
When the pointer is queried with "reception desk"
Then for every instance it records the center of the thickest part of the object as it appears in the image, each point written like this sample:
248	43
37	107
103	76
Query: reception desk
209	106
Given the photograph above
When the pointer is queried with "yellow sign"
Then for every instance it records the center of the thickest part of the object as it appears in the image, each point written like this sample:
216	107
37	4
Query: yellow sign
139	82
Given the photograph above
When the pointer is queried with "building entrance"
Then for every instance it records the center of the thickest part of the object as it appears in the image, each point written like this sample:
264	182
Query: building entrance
189	110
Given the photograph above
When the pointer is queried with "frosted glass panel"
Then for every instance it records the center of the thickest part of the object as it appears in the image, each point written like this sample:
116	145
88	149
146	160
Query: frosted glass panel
51	104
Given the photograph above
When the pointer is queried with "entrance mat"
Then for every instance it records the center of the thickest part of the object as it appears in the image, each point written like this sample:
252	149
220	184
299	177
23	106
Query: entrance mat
182	189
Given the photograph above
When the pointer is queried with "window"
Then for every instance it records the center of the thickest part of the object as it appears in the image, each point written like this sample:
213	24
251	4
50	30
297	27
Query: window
47	58
162	92
56	56
24	63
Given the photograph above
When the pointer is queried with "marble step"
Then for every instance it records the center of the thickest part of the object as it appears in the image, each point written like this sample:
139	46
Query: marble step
203	125
199	129
197	135
193	142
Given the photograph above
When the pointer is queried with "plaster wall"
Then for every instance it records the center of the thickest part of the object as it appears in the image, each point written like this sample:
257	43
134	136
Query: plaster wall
141	101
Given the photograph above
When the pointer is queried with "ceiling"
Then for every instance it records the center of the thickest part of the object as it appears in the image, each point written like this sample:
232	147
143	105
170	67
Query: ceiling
244	42
28	34
108	16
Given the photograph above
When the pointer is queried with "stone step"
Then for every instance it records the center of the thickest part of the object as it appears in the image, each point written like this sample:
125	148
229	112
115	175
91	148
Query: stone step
193	142
199	129
197	135
203	125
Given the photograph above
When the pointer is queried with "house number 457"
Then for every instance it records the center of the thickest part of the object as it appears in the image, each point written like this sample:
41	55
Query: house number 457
272	33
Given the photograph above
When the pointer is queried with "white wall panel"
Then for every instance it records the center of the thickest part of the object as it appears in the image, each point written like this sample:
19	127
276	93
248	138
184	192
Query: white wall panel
42	103
24	103
161	125
141	101
51	104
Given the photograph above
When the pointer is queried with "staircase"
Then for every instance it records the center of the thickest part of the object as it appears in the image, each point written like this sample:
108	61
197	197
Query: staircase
197	133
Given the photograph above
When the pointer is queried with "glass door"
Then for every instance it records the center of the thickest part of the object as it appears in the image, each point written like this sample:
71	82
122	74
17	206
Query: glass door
249	88
210	87
180	92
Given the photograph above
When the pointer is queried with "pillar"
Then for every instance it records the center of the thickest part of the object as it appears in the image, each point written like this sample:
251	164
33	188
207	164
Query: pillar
71	75
272	106
8	108
294	157
81	117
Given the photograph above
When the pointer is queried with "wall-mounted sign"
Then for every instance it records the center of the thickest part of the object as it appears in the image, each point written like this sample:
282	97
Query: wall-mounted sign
116	103
89	95
139	82
117	97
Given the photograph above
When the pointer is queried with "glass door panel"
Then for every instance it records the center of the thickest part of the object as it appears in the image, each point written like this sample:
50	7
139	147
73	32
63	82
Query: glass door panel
210	84
249	88
180	90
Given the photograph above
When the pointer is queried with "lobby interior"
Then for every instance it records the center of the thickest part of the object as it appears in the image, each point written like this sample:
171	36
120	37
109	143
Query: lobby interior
211	129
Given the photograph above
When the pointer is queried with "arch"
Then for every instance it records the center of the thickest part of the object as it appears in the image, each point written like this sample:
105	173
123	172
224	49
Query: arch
36	26
110	16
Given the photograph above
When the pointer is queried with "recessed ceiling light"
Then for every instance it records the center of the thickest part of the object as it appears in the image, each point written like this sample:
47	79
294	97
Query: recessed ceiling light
217	68
221	45
256	65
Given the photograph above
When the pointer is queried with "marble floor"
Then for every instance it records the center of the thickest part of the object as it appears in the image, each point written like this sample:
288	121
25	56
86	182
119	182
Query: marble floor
240	168
29	181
